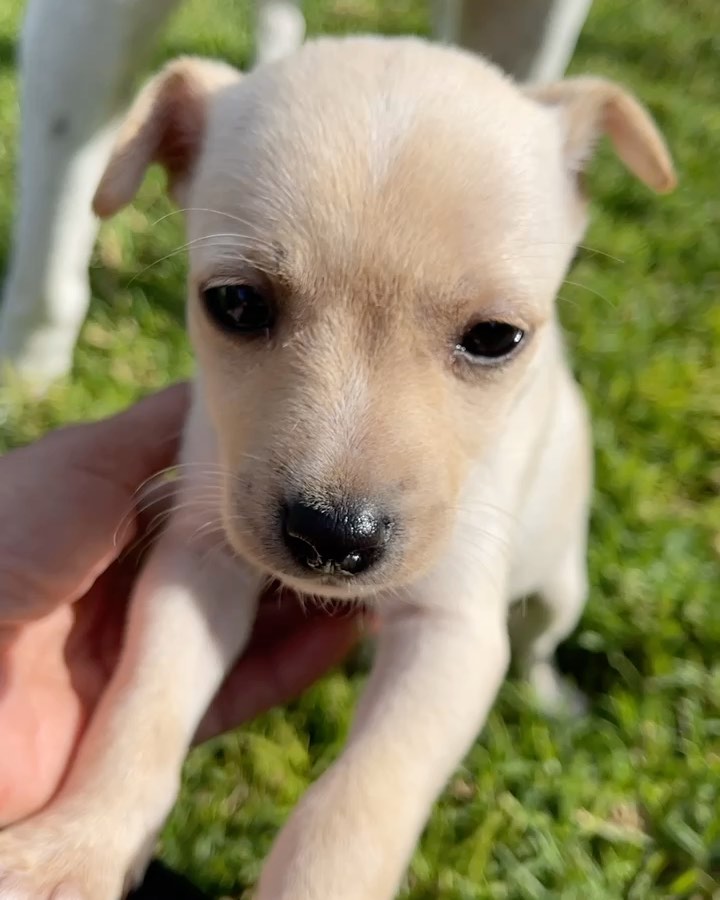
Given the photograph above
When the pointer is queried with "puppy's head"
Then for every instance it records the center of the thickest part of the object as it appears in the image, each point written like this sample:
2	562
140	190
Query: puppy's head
377	230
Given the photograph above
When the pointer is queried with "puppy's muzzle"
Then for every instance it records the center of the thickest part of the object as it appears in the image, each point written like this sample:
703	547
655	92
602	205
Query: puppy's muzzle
341	539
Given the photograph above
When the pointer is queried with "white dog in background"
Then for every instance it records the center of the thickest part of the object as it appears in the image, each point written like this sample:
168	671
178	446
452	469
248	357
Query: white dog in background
79	60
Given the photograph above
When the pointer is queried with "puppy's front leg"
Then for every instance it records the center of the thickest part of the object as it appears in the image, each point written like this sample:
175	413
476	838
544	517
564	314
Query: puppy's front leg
188	620
433	683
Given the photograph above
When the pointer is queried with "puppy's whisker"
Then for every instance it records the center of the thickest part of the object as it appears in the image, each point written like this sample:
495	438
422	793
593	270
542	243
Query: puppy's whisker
590	290
179	467
151	531
266	583
487	546
217	494
165	515
199	242
124	525
479	505
136	510
167	256
192	491
211	527
220	545
229	239
217	212
562	299
595	251
139	547
219	521
231	261
175	470
208	500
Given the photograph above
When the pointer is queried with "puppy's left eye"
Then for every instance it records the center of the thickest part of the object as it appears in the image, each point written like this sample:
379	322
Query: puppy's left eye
240	308
489	342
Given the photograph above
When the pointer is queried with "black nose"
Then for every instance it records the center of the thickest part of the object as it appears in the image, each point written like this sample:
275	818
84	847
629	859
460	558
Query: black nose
344	539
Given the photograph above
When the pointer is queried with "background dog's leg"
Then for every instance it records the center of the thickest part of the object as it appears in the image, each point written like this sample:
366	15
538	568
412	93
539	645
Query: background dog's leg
446	18
279	28
541	624
189	618
533	40
434	680
78	62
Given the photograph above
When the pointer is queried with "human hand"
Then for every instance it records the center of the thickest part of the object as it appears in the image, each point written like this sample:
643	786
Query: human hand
66	574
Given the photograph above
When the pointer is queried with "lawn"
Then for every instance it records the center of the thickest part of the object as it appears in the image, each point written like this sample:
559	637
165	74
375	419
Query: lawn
624	803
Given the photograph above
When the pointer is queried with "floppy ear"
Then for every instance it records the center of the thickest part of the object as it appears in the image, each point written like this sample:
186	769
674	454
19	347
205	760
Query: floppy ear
165	124
592	107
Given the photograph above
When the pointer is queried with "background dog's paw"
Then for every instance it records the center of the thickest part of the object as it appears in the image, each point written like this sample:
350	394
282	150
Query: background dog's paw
554	695
47	858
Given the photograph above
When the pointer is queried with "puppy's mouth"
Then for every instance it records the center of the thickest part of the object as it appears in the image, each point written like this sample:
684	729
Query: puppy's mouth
279	591
325	582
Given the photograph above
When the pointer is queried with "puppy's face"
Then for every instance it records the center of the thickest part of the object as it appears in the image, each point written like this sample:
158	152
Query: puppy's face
377	232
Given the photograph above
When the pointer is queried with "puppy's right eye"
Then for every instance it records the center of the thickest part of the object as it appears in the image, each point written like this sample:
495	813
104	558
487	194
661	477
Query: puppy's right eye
239	308
486	343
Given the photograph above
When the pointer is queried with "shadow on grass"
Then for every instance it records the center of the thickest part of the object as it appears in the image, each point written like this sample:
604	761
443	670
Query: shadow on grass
8	53
162	883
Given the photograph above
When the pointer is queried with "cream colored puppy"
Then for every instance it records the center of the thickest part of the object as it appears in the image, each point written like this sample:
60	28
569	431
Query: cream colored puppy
377	231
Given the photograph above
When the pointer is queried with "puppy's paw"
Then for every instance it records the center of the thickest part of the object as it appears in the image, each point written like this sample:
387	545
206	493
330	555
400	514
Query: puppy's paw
55	858
554	695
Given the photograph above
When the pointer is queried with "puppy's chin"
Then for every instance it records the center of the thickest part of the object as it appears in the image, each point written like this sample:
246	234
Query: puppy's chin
328	588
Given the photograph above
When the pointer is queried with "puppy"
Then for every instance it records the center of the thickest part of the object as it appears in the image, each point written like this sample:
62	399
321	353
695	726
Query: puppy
383	412
75	88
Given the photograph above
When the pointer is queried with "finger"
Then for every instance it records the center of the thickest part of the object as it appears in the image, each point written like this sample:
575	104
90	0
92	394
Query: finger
9	633
278	673
67	503
282	611
139	442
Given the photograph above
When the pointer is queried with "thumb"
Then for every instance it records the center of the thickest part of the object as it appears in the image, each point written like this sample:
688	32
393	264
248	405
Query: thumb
64	498
140	441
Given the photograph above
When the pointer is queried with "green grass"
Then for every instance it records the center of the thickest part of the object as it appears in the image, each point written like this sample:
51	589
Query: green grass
625	803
